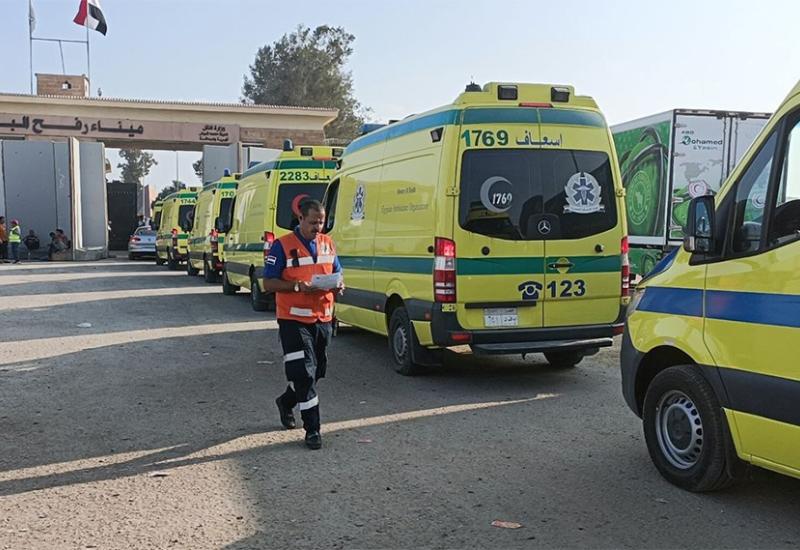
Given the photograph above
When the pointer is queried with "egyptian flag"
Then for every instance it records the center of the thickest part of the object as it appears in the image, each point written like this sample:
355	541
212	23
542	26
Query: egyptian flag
90	15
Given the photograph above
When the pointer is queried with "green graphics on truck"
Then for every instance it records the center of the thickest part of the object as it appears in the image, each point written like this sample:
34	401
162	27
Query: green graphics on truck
643	153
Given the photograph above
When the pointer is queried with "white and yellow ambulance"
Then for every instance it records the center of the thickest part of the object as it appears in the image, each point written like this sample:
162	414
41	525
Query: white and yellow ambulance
497	221
206	244
710	350
174	224
265	209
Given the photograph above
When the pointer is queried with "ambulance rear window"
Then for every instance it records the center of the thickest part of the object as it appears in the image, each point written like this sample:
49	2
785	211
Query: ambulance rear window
290	195
507	194
186	216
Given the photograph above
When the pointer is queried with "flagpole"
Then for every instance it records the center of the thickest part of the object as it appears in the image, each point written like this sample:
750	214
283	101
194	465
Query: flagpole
88	61
30	42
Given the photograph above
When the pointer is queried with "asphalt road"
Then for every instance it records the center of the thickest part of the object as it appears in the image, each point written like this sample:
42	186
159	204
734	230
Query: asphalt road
136	411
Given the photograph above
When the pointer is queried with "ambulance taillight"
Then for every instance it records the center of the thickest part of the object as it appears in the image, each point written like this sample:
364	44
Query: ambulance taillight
444	270
174	238
269	238
626	268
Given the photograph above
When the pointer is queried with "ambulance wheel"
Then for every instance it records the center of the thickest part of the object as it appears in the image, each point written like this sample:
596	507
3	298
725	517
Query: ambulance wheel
191	271
687	433
257	298
401	338
159	261
172	263
227	288
564	359
209	274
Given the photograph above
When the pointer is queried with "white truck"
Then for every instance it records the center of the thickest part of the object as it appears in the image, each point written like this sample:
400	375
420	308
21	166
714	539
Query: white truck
666	160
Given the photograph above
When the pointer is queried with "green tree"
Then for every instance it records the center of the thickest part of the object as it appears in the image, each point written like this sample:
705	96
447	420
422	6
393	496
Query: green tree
136	166
198	168
306	68
170	189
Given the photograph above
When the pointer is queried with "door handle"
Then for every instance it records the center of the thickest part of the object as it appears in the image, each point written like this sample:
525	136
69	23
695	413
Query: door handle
557	265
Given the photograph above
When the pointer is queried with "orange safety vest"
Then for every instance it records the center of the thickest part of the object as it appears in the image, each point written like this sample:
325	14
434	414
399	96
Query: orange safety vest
305	307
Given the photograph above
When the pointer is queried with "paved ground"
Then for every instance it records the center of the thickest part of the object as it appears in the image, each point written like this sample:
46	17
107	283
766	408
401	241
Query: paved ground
155	428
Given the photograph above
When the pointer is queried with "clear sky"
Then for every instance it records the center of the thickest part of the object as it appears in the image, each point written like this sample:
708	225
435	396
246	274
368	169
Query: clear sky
634	57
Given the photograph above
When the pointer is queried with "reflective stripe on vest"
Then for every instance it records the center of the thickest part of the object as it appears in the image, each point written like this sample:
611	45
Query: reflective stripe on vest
14	235
300	266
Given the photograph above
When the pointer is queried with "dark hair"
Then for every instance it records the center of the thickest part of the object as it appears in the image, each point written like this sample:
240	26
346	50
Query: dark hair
52	234
308	205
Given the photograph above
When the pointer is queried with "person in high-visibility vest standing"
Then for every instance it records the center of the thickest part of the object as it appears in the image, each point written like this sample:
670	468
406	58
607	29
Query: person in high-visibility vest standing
304	312
14	238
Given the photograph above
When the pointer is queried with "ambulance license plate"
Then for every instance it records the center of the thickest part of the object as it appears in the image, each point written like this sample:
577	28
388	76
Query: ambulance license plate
500	317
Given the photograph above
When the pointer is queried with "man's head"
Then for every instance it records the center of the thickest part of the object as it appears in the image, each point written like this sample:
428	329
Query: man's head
52	235
2	219
312	218
30	232
59	232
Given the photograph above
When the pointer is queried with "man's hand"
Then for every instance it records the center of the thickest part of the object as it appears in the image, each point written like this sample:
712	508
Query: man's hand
306	287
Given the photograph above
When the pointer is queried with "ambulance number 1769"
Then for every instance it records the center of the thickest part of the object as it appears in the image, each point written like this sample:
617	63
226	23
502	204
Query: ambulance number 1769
484	138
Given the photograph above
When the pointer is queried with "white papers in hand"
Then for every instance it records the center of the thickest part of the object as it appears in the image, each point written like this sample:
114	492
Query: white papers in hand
326	282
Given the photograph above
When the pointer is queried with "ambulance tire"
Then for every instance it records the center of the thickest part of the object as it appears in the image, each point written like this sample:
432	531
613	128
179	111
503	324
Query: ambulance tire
209	274
159	261
172	263
228	289
564	359
679	398
257	298
191	271
401	338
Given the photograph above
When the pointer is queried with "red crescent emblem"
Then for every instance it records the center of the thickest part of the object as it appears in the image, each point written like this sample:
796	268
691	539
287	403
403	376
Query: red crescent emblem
296	204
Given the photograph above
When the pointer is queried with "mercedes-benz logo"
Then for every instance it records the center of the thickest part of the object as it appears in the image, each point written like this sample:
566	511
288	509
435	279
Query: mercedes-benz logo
544	227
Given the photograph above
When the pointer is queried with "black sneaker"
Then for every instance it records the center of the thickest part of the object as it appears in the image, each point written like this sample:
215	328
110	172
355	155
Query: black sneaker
313	440
287	416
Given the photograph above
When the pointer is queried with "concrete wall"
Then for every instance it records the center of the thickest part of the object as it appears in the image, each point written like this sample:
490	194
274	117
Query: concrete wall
93	196
29	181
37	188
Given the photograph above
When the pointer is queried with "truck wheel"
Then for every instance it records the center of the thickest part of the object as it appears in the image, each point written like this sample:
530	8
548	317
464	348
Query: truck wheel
401	338
228	289
257	298
191	271
564	359
172	263
209	274
687	433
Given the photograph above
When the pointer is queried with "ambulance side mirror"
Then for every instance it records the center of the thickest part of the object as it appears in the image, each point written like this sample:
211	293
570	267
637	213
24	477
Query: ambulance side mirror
699	234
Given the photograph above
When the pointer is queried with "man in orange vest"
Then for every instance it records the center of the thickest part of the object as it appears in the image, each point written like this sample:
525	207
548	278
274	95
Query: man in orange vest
304	313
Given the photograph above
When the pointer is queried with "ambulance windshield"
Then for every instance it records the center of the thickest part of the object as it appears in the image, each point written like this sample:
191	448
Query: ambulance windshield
527	194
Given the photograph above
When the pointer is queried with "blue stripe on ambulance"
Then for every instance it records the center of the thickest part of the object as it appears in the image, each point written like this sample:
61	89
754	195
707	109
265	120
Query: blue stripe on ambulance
725	305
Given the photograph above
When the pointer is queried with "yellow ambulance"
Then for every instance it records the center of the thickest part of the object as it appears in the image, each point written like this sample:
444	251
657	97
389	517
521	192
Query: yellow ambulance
265	208
710	350
174	224
497	221
206	242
